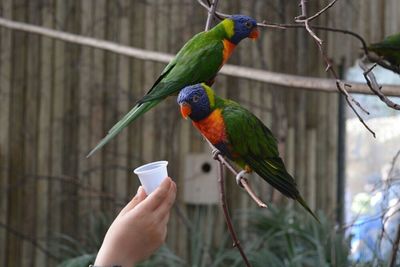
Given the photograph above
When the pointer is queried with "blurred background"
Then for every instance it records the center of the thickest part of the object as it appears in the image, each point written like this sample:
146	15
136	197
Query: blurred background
58	99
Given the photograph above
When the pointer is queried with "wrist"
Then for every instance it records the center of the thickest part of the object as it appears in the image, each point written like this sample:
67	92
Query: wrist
110	258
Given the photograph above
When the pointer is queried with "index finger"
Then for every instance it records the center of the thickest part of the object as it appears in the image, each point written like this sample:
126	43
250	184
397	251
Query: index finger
158	196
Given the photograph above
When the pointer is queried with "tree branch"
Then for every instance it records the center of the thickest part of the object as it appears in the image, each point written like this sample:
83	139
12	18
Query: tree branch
339	84
374	86
211	14
236	242
243	181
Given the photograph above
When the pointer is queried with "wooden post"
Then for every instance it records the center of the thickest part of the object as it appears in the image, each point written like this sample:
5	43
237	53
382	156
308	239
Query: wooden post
16	137
5	96
44	135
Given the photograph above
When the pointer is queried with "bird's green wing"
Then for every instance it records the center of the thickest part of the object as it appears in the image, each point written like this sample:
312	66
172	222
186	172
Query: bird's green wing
257	147
198	61
247	134
389	49
392	42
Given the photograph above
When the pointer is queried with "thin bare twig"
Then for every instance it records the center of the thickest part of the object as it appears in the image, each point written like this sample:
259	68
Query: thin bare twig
319	13
377	59
349	99
236	242
211	14
243	181
304	20
374	86
339	84
219	15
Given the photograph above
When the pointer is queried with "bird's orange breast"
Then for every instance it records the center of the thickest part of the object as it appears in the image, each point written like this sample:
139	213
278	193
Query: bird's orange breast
228	50
213	127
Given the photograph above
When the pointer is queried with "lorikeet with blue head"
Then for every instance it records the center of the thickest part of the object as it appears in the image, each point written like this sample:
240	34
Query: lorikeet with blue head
199	60
388	49
239	135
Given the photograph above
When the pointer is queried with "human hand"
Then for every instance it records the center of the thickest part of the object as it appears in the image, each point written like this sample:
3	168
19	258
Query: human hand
139	229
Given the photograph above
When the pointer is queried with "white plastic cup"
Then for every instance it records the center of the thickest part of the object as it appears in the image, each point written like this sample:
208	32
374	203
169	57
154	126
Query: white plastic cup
152	174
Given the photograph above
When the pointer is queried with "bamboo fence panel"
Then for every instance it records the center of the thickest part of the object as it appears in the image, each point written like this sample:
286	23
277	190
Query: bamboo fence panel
58	99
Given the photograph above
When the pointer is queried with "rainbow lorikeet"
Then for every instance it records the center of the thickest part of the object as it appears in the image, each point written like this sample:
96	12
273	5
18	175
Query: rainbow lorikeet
388	49
199	60
239	135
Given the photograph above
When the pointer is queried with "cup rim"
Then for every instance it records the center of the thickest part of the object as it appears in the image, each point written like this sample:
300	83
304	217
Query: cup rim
159	163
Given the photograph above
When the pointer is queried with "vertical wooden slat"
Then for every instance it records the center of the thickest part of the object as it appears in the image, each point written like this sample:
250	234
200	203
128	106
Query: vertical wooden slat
57	134
5	96
31	104
85	97
111	92
96	103
124	73
44	134
177	225
322	128
332	151
69	123
311	189
136	91
16	140
150	74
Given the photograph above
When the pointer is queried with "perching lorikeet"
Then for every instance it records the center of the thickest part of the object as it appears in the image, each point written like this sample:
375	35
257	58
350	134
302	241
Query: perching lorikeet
199	60
388	49
239	135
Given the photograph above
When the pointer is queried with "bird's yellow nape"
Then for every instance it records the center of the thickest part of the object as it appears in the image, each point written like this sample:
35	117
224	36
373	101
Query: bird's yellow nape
229	26
210	94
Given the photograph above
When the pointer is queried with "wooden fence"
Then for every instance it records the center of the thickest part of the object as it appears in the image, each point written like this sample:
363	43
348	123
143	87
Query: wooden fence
59	99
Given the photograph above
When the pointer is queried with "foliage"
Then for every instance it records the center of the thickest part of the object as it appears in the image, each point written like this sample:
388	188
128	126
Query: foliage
279	237
287	237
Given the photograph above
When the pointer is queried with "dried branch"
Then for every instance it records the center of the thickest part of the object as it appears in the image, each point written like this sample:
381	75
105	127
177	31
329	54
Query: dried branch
339	84
243	181
211	14
304	20
236	242
217	14
349	99
376	59
319	13
374	86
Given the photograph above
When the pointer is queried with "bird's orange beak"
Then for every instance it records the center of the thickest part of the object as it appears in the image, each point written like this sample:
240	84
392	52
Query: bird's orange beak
254	33
185	110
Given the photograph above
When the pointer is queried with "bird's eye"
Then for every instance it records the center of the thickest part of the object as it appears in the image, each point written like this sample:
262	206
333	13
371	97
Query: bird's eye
248	24
195	98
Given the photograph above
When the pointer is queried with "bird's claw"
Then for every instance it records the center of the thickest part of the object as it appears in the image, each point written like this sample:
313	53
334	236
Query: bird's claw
215	152
240	176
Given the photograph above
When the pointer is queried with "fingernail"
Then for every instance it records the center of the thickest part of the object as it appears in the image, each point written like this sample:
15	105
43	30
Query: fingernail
139	190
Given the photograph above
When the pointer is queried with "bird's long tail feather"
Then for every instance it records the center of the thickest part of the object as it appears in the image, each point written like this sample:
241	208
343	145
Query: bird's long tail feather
305	206
274	172
132	115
